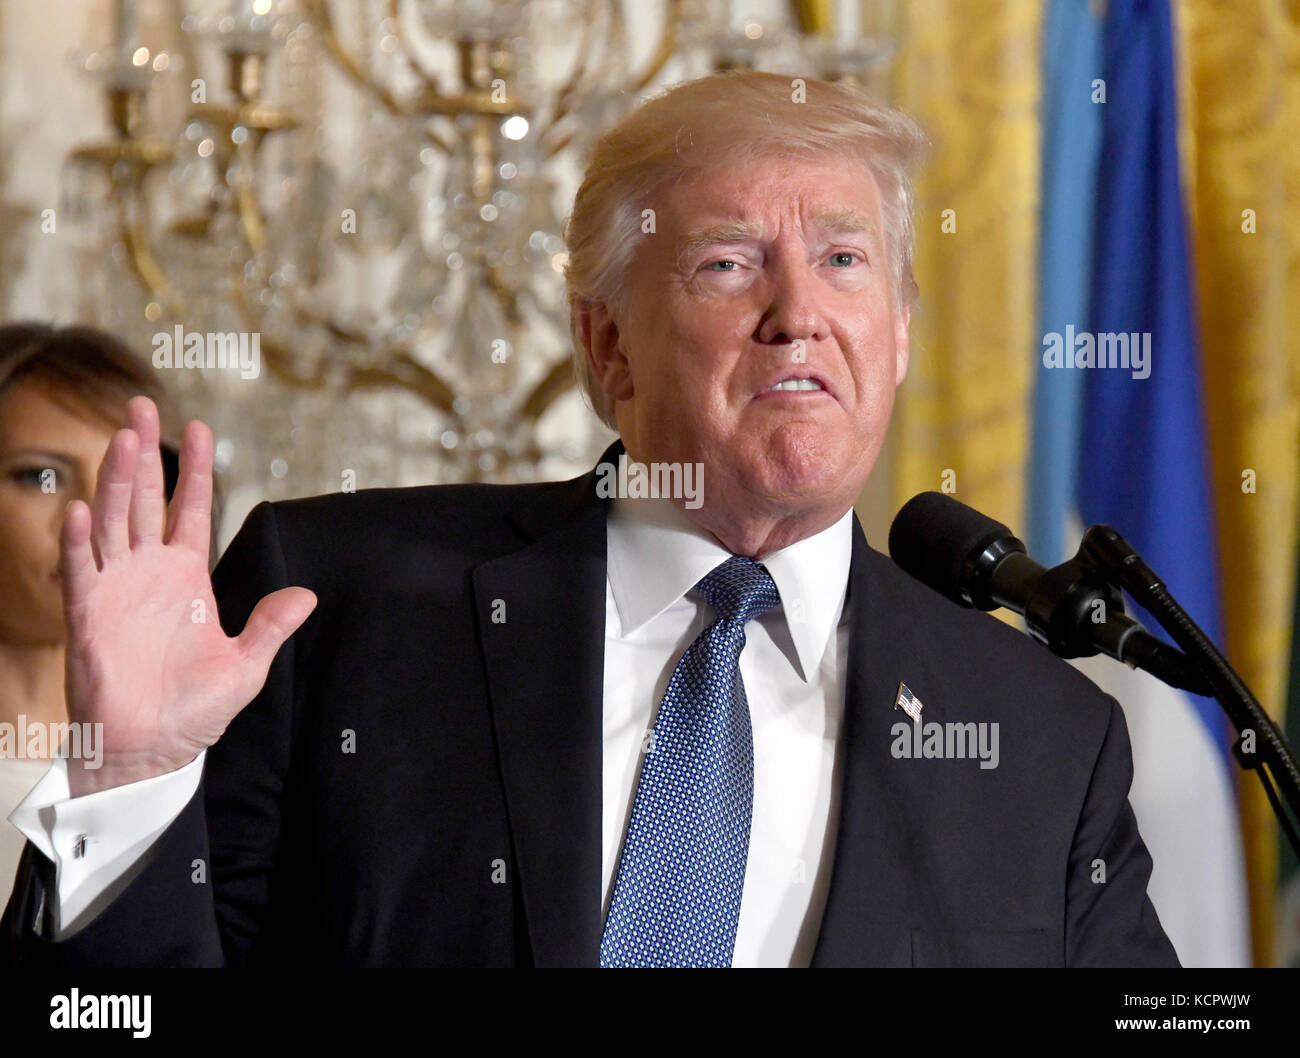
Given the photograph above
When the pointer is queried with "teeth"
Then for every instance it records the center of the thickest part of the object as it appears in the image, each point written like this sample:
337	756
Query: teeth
793	384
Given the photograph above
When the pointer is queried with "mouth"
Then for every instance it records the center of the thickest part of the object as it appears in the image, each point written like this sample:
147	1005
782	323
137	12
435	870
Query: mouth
796	385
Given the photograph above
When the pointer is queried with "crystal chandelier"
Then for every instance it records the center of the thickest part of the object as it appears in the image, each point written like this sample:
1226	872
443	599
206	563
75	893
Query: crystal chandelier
373	191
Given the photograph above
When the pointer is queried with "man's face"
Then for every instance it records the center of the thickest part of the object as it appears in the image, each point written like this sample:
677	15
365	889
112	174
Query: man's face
757	276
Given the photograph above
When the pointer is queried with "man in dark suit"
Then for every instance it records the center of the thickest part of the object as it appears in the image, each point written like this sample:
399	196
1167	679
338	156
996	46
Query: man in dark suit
445	764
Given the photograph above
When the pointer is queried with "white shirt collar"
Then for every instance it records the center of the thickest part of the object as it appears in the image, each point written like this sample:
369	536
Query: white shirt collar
656	554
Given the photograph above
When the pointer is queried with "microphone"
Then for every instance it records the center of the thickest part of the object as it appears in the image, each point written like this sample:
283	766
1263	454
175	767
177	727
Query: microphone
1071	608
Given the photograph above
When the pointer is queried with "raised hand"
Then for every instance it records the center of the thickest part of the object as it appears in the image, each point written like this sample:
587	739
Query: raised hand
146	655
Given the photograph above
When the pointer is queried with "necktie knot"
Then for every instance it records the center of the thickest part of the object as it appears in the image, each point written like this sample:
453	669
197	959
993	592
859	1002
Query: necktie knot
739	590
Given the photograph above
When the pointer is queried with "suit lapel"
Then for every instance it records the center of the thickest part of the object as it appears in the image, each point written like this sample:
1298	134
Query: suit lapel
876	891
545	673
541	616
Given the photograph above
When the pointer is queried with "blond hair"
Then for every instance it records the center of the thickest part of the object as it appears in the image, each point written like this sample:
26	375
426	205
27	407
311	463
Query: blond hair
733	117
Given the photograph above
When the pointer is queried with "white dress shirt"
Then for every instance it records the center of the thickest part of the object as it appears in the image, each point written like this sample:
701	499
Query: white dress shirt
97	842
793	667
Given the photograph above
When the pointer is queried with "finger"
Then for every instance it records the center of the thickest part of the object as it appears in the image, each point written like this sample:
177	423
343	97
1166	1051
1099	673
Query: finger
273	620
76	559
190	518
148	507
111	505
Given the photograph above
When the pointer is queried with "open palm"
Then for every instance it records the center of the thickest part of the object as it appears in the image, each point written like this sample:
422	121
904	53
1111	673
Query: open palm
146	654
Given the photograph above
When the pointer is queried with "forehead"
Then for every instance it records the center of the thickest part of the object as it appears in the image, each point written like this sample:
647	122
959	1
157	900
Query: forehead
33	412
830	192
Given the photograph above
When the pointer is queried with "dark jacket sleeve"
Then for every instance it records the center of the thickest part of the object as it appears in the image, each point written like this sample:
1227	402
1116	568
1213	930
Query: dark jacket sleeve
1110	920
202	895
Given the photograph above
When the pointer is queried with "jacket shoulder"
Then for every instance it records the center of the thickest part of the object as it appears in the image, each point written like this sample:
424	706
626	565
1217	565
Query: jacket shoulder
476	521
989	658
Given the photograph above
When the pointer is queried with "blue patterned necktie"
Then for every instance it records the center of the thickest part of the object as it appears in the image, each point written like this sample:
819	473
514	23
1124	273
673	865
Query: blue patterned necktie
677	894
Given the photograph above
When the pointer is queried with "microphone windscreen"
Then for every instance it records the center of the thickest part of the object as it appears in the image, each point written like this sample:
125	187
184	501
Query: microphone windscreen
936	539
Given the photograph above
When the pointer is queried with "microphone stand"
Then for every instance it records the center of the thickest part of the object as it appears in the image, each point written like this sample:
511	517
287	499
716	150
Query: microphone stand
1261	746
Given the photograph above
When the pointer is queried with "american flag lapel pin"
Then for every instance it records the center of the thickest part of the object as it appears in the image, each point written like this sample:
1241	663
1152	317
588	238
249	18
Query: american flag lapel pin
908	702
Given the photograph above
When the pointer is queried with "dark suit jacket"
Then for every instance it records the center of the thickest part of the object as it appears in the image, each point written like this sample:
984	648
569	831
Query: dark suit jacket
418	783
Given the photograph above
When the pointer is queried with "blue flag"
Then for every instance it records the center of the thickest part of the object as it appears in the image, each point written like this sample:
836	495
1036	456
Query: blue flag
1119	432
1144	460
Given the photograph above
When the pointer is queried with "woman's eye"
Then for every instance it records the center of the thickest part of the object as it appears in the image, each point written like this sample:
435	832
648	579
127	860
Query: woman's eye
848	258
36	476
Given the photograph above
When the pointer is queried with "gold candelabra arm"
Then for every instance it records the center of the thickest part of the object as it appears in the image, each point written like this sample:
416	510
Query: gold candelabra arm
139	248
318	11
571	94
427	79
258	120
401	368
506	295
126	164
667	47
815	18
403	371
570	89
554	384
250	213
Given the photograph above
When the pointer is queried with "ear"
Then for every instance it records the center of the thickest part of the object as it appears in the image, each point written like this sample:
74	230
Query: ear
902	344
600	337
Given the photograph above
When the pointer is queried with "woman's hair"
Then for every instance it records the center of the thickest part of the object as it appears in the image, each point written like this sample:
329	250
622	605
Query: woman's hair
730	118
91	367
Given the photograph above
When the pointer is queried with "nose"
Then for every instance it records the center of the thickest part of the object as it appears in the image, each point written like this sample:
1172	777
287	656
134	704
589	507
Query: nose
794	313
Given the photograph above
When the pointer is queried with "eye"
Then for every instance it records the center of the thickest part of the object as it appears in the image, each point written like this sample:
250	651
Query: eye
848	258
31	476
712	265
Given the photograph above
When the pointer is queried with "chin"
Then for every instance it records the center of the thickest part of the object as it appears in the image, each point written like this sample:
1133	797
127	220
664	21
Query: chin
795	484
806	457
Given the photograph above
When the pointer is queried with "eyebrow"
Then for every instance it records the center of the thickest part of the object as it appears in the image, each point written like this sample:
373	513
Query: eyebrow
715	235
847	221
836	220
38	454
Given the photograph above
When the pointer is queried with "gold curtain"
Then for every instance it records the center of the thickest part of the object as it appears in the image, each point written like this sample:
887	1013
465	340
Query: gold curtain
969	70
1240	67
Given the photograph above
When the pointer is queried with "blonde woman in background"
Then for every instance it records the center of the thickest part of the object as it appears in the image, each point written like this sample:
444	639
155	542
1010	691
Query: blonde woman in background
63	391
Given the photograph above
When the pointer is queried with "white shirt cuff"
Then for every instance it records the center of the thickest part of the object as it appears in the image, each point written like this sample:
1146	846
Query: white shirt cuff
95	839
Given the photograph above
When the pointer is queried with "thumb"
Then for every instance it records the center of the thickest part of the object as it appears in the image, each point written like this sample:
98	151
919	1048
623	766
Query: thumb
273	620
